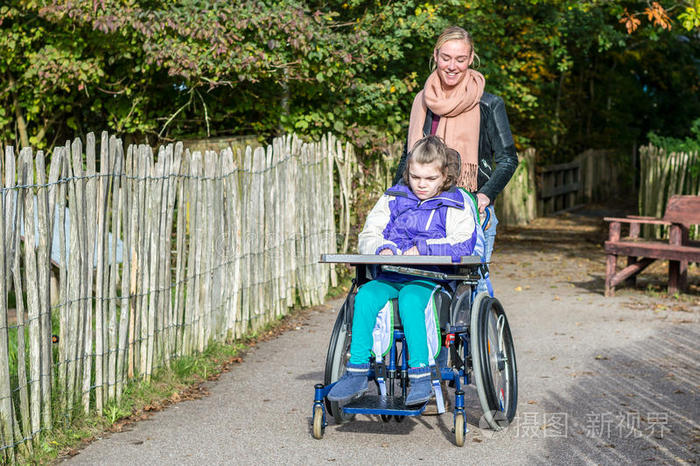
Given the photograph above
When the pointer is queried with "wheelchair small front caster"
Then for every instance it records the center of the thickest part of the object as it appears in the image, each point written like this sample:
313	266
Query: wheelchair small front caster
318	423
459	429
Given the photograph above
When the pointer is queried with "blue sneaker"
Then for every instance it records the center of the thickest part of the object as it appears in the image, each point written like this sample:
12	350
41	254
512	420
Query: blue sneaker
420	389
353	383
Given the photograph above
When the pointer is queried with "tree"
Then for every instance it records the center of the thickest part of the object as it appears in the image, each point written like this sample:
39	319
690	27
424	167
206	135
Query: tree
569	71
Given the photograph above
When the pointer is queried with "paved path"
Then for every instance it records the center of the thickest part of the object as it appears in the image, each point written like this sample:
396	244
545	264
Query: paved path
601	381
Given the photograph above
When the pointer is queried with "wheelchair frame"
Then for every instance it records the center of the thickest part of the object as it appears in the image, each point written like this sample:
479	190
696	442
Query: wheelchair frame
486	355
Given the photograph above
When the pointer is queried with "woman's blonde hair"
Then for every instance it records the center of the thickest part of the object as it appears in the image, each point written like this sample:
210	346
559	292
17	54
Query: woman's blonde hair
432	149
453	33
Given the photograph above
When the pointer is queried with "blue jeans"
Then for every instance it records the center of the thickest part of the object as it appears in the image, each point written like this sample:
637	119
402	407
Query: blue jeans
489	238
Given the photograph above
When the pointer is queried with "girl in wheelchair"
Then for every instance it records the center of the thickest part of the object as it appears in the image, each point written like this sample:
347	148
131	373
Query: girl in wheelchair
425	214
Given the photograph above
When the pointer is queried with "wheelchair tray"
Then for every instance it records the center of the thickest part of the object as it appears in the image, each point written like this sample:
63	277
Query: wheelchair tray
466	269
397	260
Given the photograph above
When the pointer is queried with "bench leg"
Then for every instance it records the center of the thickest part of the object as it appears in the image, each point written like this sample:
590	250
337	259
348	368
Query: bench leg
683	276
677	276
610	267
631	281
674	271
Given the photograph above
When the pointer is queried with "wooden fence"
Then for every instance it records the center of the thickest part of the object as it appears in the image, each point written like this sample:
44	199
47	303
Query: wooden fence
662	175
559	188
601	175
516	204
593	176
156	257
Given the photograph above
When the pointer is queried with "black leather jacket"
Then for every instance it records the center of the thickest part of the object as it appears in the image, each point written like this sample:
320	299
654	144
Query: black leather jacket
495	145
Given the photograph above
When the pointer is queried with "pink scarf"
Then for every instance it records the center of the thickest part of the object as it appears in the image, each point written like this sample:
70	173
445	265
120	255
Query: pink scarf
459	120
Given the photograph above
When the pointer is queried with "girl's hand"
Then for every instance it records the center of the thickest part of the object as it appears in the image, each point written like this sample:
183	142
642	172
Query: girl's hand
411	252
386	252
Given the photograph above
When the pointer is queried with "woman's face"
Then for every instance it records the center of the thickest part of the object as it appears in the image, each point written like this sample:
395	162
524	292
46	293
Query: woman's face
453	60
425	179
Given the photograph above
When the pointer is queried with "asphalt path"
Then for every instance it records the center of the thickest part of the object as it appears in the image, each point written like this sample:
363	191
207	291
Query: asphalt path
601	381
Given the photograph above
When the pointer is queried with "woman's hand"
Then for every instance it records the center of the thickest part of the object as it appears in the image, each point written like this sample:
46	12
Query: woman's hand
386	252
413	251
482	201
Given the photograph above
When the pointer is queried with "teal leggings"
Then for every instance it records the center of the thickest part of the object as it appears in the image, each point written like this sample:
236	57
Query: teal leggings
372	297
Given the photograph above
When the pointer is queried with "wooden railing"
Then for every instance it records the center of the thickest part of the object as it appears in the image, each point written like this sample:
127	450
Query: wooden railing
559	188
594	176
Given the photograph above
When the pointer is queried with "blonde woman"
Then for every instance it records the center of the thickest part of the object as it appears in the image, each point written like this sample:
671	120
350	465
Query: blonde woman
454	106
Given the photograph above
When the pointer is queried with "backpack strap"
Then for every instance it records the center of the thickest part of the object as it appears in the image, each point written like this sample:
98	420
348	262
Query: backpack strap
427	126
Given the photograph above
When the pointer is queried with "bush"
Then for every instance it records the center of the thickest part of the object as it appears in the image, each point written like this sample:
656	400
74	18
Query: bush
670	144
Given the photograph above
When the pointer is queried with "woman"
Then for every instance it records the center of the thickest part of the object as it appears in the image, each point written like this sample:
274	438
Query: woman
454	106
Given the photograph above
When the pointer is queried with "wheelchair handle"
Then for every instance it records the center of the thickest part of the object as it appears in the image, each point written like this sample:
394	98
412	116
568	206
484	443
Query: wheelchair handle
487	217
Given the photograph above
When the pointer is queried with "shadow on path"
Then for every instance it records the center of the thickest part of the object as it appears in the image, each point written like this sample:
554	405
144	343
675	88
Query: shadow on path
633	404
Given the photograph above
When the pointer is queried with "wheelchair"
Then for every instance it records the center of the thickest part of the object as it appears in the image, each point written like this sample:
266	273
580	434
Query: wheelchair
474	330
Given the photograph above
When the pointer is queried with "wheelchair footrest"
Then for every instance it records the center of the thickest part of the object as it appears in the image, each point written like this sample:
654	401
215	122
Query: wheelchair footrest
377	404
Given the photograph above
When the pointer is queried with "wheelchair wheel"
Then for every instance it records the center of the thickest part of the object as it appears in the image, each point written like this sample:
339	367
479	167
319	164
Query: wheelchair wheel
336	362
459	429
318	423
493	362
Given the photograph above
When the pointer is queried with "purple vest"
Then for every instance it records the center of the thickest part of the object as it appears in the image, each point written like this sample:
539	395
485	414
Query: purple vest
412	219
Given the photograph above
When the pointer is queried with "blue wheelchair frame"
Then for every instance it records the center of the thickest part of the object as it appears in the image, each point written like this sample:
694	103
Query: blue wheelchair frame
466	273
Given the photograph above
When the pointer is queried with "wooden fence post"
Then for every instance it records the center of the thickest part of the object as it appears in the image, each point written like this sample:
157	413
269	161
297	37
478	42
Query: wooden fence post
7	420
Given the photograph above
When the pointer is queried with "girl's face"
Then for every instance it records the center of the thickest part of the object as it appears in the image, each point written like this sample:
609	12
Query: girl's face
425	179
453	60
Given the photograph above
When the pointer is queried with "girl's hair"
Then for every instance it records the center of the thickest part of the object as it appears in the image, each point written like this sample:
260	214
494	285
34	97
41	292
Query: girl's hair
432	149
453	33
454	166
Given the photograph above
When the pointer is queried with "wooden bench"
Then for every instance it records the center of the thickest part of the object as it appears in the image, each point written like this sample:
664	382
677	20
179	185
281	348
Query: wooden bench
681	212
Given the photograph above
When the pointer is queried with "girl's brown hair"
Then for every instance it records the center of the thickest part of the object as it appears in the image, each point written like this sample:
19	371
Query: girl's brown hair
432	149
